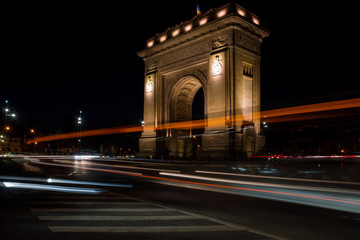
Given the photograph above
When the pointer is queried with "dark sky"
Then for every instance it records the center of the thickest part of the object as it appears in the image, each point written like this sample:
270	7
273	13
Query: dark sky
60	57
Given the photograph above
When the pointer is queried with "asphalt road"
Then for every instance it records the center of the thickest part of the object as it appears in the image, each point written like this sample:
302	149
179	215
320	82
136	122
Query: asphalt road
160	200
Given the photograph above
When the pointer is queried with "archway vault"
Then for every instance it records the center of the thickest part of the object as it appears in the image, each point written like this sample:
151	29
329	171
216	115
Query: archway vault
181	98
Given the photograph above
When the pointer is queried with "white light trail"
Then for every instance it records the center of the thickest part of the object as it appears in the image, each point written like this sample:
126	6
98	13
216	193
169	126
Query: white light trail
278	178
51	188
55	180
85	157
261	184
132	167
87	168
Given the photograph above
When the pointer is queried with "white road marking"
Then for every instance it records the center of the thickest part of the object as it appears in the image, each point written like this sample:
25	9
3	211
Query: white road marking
85	203
116	218
86	197
211	228
98	210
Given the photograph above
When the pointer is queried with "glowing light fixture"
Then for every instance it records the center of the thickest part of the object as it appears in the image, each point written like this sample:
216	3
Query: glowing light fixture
256	20
163	38
217	66
188	27
149	85
150	43
176	32
241	12
221	13
203	21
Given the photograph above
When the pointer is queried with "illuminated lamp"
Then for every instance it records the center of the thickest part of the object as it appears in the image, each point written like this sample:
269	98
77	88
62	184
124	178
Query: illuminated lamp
162	38
217	66
150	43
241	12
221	13
175	32
149	85
203	21
188	27
256	20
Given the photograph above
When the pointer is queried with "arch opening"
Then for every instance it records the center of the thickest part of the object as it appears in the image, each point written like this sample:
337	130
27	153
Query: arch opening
187	104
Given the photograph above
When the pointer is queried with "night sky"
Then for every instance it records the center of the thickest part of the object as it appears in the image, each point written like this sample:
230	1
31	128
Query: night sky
60	57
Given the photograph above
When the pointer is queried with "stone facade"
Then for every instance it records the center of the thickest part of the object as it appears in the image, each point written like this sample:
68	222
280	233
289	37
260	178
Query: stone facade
218	51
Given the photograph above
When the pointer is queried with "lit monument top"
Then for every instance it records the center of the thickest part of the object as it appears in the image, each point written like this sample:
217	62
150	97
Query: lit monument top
213	15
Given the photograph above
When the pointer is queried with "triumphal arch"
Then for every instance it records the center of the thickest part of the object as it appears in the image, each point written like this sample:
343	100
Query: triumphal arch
217	52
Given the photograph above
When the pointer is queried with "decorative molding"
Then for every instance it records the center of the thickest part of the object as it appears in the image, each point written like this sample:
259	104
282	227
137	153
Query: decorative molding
246	27
152	67
219	43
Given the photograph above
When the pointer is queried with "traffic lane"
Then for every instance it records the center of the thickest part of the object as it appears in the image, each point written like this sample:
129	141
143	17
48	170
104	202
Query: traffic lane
189	198
269	173
80	169
288	220
338	199
221	169
321	169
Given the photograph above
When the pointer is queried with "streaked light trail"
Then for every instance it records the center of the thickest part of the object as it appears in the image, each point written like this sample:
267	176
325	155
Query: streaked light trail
279	178
259	183
55	180
332	199
311	108
124	166
51	188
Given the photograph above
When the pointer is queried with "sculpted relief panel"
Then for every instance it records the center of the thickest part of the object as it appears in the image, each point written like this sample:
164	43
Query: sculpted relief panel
185	53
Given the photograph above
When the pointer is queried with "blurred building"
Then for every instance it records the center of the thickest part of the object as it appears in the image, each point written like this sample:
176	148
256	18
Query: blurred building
15	145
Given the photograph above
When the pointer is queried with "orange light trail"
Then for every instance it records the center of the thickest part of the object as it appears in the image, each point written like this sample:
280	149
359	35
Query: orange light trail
213	122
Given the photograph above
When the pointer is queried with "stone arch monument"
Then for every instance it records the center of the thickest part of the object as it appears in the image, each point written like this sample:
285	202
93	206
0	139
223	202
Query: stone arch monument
218	52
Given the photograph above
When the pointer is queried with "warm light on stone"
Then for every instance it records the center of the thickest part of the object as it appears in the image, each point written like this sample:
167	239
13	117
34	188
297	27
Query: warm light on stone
203	21
256	20
188	27
150	43
221	13
241	12
163	38
176	32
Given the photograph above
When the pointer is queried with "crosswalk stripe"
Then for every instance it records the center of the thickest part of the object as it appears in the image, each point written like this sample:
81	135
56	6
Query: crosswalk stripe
86	203
99	210
211	228
87	197
116	218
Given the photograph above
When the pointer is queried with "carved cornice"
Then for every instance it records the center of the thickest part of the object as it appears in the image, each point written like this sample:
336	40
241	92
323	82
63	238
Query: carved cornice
198	34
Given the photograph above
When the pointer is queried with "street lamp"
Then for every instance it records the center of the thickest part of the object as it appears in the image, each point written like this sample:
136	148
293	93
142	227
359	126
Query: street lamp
7	127
79	121
32	131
